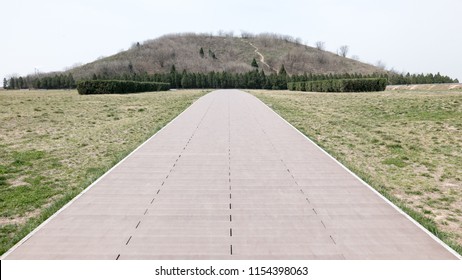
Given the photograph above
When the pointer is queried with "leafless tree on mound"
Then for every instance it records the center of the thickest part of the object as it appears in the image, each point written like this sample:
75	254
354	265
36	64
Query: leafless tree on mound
320	45
344	50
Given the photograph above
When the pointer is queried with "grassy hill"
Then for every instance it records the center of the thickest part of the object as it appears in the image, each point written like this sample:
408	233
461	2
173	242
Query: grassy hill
222	53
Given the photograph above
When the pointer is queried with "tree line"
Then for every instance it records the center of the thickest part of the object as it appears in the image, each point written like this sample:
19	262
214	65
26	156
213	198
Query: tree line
111	87
340	85
409	79
57	81
393	78
255	79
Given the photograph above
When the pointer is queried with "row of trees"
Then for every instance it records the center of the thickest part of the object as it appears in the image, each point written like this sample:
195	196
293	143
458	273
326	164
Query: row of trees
409	79
108	87
341	85
322	77
393	78
258	79
253	79
58	81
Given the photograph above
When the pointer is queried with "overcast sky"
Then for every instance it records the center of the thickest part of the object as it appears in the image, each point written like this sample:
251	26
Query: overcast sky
407	35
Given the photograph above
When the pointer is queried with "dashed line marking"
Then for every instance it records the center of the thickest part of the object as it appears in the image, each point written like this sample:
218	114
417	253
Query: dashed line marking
332	239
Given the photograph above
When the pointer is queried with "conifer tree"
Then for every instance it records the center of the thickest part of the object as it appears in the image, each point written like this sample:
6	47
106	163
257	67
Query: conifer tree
20	82
70	81
281	80
282	71
172	69
254	63
5	83
201	52
12	83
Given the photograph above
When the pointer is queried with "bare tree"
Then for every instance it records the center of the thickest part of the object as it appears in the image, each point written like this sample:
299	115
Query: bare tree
344	50
320	45
246	35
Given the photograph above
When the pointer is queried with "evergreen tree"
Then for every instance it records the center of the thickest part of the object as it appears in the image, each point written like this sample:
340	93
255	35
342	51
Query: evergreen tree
54	82
20	83
282	71
254	63
70	81
173	69
201	52
185	82
212	54
12	83
5	83
281	79
37	84
174	78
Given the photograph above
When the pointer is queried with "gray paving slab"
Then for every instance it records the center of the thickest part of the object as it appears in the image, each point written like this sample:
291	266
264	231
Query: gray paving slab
229	179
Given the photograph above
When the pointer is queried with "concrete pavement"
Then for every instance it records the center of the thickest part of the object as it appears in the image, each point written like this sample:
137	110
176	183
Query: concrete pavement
229	179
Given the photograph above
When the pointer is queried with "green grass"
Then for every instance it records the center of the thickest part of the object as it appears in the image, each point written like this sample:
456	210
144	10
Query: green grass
53	144
407	145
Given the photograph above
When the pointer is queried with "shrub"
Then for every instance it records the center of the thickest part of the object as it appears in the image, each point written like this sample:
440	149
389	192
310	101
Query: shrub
291	86
341	85
114	86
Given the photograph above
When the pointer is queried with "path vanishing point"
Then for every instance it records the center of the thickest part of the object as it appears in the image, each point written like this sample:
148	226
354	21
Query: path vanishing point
229	179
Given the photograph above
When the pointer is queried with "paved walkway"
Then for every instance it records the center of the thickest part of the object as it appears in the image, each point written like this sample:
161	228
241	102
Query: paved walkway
229	179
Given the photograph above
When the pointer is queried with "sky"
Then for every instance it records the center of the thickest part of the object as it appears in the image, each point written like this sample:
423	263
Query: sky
406	35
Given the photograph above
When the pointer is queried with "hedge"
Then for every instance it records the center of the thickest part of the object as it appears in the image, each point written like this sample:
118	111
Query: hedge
114	86
340	85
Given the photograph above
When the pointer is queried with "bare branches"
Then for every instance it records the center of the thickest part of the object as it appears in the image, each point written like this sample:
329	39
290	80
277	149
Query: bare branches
320	45
344	50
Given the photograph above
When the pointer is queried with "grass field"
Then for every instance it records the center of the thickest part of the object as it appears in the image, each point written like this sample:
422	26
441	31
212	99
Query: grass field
407	145
53	144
